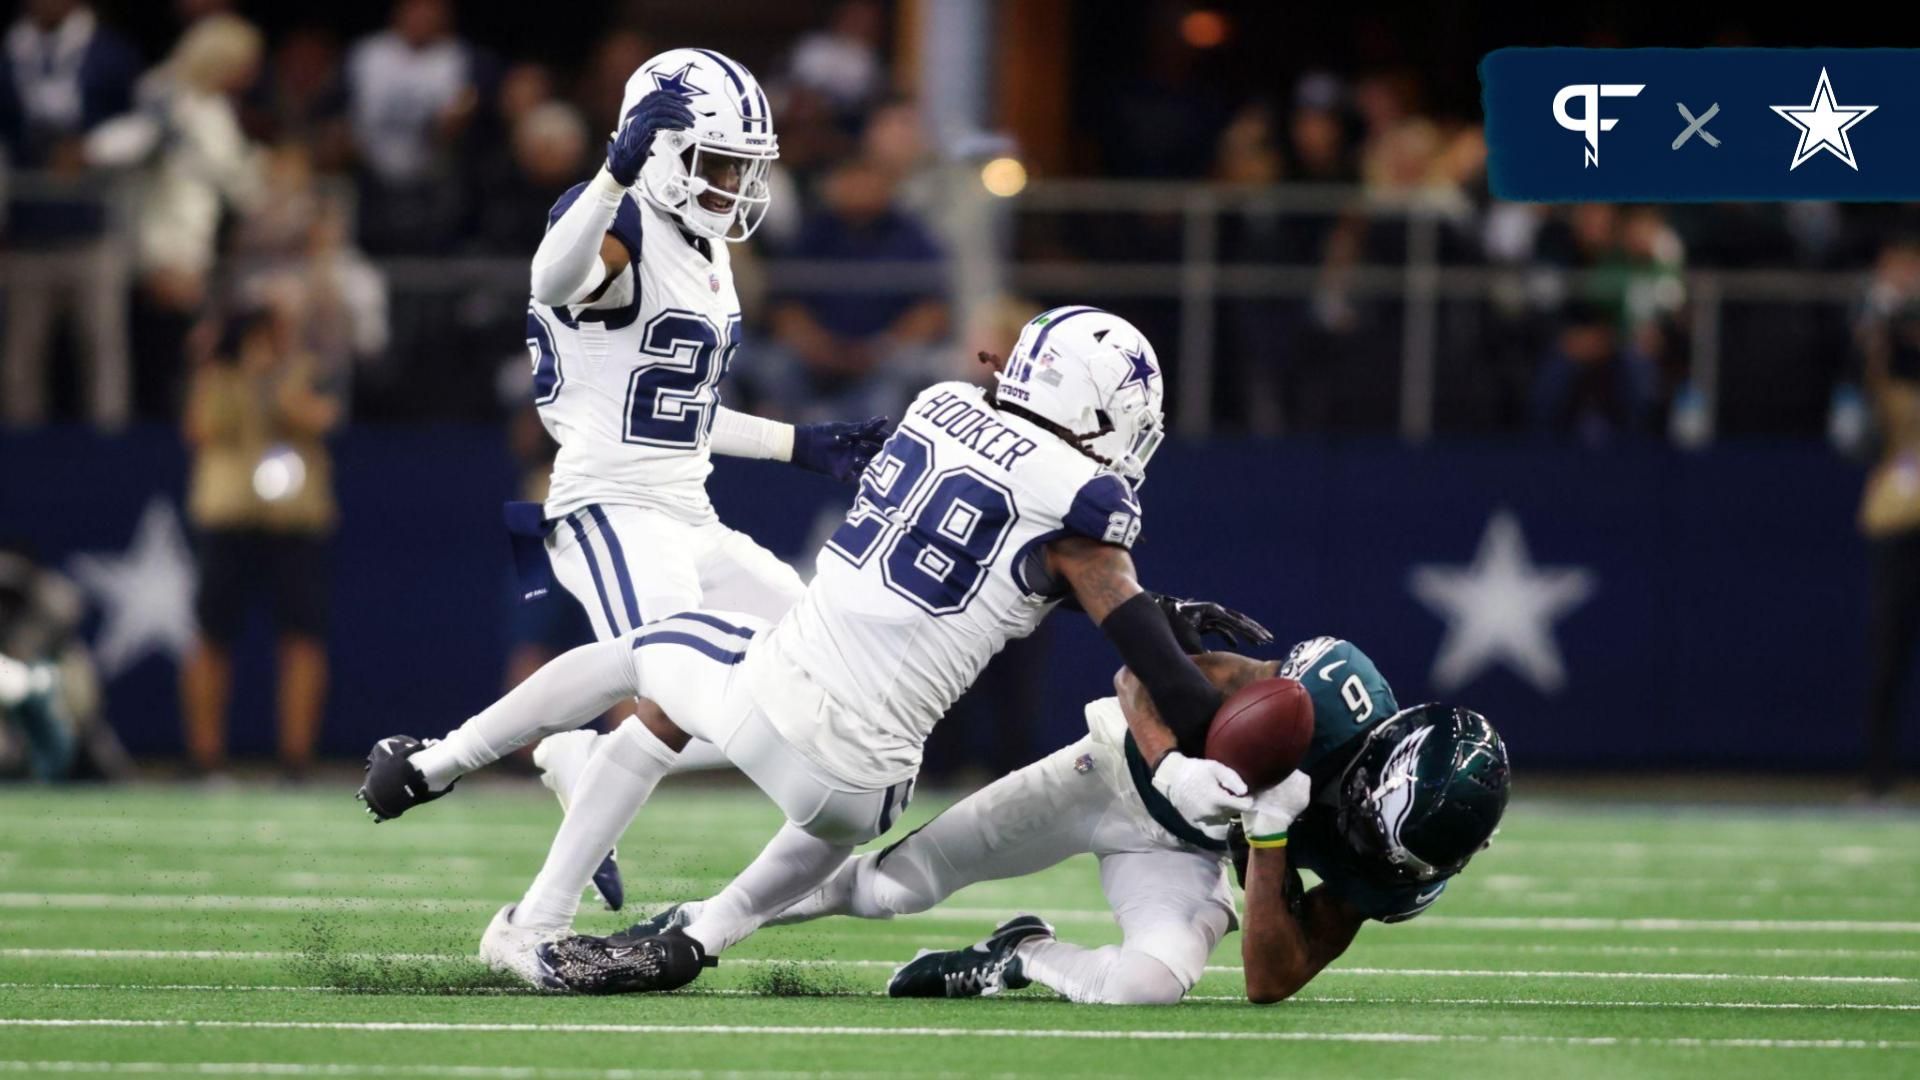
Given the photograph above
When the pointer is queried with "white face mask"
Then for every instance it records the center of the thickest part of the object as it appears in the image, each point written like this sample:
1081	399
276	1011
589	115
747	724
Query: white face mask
715	191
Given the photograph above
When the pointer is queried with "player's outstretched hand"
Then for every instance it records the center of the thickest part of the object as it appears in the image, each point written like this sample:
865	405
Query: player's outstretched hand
662	110
839	449
1274	810
1204	792
1193	619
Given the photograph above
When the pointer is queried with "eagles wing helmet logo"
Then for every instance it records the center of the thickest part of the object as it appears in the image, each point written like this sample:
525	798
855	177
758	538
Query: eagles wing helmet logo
1394	792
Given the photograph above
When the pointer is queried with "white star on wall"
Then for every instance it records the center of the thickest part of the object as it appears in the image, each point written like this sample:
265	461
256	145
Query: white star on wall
1823	125
1500	610
145	594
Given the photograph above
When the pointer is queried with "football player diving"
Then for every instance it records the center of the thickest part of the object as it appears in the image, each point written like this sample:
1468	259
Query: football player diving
1386	807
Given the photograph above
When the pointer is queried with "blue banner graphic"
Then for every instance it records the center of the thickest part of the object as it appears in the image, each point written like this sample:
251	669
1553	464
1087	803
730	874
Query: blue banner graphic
1702	125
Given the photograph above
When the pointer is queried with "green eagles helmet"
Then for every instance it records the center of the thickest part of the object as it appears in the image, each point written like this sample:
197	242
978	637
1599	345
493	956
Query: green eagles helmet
1425	792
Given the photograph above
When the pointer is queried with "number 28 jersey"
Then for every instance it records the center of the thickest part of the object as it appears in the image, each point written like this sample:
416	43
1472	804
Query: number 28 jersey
628	384
940	562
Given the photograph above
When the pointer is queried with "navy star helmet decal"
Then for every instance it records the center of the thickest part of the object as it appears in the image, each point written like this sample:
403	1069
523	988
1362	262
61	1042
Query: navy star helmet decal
677	82
1142	372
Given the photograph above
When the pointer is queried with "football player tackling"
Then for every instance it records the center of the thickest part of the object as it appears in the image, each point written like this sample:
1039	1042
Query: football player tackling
633	322
981	513
1386	806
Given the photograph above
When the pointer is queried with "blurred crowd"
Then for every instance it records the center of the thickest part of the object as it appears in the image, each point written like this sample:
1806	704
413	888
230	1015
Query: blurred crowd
369	190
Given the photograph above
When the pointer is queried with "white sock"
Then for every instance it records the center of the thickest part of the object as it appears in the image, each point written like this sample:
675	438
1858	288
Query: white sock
1109	975
616	782
566	692
793	864
836	897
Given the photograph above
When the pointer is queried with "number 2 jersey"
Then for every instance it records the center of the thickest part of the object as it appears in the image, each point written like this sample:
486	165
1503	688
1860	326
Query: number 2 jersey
940	562
628	383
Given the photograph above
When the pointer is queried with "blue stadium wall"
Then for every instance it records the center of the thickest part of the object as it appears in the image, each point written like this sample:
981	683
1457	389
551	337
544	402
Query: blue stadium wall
1707	609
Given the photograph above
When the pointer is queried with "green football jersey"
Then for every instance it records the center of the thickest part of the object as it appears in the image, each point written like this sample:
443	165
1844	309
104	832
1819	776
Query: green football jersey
1350	698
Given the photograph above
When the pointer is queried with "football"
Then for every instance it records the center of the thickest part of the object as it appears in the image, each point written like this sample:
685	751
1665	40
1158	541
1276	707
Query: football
1263	731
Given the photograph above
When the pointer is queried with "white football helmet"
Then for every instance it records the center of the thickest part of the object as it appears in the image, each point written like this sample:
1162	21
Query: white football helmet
1092	374
712	176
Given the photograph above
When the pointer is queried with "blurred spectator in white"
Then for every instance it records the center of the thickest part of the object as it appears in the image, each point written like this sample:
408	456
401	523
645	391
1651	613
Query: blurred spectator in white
195	163
842	62
61	74
261	501
852	351
412	90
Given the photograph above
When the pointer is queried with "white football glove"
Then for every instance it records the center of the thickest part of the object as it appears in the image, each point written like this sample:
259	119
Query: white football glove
16	682
1204	792
1266	822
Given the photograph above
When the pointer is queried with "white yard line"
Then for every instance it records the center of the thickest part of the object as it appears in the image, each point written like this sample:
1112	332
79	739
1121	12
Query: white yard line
1305	999
219	902
1229	969
846	1031
450	1072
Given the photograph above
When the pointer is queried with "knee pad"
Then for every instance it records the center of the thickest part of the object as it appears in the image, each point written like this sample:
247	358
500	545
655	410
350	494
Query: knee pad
1140	979
896	881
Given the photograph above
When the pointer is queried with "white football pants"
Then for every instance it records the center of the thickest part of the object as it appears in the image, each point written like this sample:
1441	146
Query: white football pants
1171	900
632	565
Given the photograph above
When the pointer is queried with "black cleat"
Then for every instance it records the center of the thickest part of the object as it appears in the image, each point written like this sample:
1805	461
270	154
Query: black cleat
979	971
664	961
393	786
674	918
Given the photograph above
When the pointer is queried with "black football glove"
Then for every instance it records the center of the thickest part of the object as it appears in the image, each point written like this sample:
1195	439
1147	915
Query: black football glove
839	449
1193	619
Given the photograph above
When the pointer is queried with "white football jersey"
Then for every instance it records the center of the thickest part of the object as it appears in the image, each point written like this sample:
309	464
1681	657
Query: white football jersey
939	564
628	383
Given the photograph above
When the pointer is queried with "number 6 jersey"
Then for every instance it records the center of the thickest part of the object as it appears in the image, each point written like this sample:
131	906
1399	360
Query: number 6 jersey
939	564
628	384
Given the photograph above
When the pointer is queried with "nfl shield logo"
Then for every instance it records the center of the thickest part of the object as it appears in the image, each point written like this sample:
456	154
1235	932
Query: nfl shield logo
1083	764
714	280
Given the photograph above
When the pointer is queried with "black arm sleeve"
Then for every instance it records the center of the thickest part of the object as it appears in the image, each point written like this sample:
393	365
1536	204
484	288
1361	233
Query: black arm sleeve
1186	700
1183	631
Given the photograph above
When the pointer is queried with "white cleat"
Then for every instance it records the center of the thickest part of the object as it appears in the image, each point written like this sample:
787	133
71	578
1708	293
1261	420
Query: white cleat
515	950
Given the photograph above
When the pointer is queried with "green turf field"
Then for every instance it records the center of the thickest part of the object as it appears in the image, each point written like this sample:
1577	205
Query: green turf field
163	931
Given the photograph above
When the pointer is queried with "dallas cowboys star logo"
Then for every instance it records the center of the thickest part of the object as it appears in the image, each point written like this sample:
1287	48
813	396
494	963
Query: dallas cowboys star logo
1501	610
1142	371
1823	125
677	82
145	593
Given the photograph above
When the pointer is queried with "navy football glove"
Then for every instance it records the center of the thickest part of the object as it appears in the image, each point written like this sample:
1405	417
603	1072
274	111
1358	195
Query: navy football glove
1192	619
840	450
662	110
